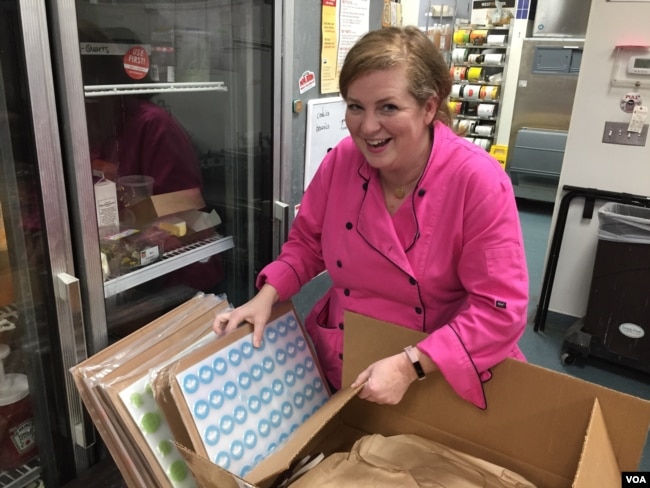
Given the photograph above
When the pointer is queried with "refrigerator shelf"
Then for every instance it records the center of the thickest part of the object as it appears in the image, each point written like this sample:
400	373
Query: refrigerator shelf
141	88
170	261
21	476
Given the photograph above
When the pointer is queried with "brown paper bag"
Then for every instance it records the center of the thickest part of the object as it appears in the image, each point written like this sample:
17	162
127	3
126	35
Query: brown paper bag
407	461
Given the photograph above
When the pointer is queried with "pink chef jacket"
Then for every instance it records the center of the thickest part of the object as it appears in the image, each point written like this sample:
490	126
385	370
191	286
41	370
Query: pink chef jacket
449	262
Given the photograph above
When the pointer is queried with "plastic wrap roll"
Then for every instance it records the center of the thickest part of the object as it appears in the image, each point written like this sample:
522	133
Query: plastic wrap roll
484	130
493	58
489	92
478	37
486	110
475	73
461	36
497	38
471	92
458	73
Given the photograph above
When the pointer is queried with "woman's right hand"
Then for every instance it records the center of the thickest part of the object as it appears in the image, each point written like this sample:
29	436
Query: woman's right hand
256	311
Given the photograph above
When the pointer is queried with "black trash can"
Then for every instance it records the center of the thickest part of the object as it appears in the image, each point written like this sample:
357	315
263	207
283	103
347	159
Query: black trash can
618	309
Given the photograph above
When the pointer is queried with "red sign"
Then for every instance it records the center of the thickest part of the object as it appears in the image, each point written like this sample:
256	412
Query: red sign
136	62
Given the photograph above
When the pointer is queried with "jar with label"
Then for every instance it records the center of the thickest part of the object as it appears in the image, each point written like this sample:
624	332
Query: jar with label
17	436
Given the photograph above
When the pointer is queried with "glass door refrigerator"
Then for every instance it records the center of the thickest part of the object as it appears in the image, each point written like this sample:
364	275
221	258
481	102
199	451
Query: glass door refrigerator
139	143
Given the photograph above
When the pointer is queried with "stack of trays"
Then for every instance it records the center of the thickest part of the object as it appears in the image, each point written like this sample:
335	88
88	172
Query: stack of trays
175	381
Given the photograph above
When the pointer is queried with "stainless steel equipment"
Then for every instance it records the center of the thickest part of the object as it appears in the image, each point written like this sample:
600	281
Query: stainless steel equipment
559	18
547	79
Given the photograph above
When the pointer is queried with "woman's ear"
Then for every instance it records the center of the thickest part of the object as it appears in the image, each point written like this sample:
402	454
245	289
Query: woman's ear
430	109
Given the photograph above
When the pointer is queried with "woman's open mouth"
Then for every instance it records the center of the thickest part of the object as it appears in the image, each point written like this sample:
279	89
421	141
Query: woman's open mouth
378	143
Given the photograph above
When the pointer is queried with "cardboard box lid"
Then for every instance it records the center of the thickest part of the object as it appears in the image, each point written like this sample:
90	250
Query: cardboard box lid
148	210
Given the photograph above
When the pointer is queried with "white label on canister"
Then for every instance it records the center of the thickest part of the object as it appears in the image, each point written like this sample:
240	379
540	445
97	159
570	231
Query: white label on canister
493	58
631	330
485	110
471	91
459	55
496	39
484	130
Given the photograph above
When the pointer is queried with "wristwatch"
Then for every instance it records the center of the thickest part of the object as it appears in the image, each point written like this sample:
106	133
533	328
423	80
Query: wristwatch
413	357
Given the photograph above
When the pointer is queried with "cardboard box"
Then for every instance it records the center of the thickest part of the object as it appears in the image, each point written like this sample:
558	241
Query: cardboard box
200	225
551	428
186	204
104	379
147	211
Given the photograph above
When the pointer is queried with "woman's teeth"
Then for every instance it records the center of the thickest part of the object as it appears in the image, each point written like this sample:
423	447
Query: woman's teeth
377	143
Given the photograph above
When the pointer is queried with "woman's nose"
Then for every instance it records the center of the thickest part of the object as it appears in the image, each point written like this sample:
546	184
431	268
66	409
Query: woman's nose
369	123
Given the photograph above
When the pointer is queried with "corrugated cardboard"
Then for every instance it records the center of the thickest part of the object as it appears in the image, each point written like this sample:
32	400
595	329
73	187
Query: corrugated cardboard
551	428
148	210
168	392
99	379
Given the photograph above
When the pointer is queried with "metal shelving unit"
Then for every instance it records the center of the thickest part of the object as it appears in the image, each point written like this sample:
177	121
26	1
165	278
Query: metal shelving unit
22	476
481	128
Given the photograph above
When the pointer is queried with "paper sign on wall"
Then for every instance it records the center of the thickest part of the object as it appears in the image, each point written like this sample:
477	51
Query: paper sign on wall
325	129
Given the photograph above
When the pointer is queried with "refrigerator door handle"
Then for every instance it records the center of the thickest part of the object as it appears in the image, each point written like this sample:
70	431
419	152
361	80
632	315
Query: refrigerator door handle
281	216
73	349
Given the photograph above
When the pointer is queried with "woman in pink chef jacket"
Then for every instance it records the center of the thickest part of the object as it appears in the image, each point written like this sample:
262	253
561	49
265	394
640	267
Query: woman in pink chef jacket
415	226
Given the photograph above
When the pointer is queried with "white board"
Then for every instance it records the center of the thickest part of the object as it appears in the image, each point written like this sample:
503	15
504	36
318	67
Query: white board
325	129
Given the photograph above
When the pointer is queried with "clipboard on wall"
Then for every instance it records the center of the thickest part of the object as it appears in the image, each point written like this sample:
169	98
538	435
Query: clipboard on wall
325	129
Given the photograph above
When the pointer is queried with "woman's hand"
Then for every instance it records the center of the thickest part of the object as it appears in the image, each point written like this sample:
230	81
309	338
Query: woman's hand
387	380
256	311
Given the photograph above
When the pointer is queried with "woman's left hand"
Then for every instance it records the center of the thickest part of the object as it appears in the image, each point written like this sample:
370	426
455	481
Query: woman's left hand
386	380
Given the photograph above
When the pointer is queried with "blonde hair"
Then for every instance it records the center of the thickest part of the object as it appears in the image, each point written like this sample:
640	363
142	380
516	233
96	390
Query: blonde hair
382	49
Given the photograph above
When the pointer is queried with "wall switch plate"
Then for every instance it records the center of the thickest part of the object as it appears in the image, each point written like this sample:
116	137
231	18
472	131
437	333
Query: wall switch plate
617	133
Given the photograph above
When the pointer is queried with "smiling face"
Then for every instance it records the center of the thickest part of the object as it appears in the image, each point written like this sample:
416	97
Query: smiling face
386	122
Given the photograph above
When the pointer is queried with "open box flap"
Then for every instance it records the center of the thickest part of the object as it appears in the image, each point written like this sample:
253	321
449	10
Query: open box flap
283	458
149	209
597	466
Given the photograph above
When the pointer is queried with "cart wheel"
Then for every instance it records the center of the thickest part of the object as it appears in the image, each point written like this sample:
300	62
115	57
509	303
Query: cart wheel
567	358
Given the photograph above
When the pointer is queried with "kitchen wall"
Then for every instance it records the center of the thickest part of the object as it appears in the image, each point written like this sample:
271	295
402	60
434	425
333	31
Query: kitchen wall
590	163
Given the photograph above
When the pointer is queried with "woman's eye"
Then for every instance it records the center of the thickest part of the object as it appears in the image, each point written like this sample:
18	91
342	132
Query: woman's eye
389	108
353	107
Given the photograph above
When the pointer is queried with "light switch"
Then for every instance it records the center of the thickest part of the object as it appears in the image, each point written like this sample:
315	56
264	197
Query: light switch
617	133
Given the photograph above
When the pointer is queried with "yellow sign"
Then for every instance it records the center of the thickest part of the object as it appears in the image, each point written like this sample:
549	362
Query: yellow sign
329	50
